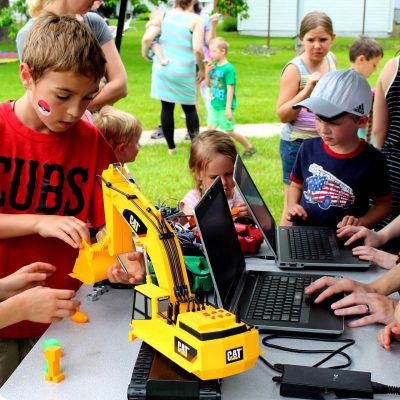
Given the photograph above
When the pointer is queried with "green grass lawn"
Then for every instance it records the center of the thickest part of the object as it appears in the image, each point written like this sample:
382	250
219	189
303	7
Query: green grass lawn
166	178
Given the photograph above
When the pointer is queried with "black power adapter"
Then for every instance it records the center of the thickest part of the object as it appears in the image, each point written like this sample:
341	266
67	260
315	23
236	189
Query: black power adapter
315	383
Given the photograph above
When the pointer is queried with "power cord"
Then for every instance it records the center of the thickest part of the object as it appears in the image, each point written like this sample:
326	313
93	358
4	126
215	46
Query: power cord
332	353
313	382
385	389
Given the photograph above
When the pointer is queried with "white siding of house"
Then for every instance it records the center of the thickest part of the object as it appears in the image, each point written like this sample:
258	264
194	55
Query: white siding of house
347	16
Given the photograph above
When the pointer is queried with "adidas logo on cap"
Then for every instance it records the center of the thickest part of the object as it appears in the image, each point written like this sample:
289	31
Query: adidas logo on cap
359	109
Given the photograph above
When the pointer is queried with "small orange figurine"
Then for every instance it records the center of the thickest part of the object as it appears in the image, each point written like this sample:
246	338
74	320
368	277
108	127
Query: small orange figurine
79	317
53	356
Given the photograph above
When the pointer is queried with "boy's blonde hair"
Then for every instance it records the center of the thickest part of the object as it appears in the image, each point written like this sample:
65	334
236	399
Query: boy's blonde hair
117	126
203	150
36	6
221	43
62	43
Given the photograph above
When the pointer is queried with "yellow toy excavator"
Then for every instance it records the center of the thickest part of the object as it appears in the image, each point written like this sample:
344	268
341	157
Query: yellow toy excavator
209	342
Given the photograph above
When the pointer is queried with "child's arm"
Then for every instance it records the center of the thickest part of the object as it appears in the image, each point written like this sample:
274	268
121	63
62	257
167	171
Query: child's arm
376	214
289	93
26	299
230	89
69	229
380	122
151	33
294	207
212	32
38	304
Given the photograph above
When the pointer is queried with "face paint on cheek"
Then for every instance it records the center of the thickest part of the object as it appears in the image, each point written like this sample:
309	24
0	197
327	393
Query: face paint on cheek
44	108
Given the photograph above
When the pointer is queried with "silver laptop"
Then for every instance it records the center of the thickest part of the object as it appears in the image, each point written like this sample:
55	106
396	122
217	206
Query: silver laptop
296	246
273	301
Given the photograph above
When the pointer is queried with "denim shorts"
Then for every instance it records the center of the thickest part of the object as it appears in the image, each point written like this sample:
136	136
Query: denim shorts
288	151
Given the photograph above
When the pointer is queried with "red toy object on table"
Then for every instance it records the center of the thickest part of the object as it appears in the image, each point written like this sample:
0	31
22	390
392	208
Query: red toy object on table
250	237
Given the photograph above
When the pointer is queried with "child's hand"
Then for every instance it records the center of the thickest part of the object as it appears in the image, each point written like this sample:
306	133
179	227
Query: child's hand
214	19
389	332
296	212
69	229
209	66
46	305
134	263
200	76
25	278
242	210
228	113
349	220
312	81
377	257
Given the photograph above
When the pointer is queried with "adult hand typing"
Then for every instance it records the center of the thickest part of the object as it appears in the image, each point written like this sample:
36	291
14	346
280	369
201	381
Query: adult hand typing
363	300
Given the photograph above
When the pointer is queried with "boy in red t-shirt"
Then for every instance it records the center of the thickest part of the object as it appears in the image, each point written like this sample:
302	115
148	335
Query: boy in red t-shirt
49	159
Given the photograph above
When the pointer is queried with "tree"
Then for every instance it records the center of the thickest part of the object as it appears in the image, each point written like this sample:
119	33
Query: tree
235	8
7	17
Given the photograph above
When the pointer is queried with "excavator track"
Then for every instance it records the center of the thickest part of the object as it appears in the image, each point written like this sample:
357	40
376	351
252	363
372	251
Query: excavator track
156	377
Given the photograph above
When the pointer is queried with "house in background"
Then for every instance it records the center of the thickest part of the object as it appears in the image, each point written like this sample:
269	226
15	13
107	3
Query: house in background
350	17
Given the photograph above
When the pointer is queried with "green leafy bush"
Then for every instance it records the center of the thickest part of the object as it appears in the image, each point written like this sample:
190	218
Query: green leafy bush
143	16
141	9
229	24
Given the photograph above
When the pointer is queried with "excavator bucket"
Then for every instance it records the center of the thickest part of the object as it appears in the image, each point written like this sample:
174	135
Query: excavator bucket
92	263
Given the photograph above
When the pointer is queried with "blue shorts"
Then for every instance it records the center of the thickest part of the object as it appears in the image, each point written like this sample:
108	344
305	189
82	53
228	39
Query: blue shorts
288	151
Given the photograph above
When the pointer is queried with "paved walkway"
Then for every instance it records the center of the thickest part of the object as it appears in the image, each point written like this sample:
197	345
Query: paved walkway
256	130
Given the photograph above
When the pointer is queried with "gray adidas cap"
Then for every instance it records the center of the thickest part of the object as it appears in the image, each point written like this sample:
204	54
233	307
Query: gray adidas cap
338	92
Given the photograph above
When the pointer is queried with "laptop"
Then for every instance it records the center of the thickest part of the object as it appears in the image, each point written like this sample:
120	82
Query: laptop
273	301
294	247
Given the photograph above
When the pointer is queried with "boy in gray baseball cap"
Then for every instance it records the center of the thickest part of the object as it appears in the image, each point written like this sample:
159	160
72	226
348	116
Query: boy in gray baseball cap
336	176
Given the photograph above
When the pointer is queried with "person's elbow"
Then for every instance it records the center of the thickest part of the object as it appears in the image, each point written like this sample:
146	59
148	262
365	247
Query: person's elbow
283	116
198	51
121	87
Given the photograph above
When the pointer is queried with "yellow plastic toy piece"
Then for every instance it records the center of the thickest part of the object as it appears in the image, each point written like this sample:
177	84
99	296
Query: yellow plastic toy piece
79	317
93	262
53	357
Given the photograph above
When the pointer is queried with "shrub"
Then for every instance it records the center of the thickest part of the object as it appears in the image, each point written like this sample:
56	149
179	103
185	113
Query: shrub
143	17
229	24
141	9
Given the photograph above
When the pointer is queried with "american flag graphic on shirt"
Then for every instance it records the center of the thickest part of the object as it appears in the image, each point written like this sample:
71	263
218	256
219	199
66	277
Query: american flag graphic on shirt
326	190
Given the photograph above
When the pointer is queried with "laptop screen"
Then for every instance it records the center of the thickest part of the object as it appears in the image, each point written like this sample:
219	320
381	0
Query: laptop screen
255	203
220	241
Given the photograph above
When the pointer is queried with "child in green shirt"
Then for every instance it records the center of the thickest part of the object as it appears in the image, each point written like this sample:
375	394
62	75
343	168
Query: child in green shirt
221	78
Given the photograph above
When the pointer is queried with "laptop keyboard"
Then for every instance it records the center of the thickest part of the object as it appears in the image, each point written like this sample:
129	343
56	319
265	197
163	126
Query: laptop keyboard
278	298
312	244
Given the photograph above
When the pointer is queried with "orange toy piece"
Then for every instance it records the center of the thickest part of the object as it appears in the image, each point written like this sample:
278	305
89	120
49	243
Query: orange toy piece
53	357
79	317
234	212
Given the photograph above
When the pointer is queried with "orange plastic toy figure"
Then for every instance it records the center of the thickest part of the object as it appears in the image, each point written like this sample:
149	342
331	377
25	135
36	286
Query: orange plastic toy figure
53	357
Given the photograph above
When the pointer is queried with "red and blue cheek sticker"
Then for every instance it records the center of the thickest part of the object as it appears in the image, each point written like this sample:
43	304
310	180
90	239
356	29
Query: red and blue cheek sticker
44	108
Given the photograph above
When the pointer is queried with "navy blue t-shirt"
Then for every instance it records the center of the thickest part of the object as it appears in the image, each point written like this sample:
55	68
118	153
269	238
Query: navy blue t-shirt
336	185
